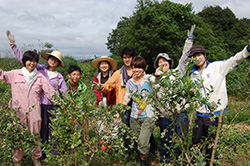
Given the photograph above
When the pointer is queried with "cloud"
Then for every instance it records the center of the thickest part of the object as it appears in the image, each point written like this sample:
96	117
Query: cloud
77	27
239	7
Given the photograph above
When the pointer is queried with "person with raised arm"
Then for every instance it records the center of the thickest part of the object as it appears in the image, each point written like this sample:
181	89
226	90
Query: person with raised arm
163	63
212	75
55	79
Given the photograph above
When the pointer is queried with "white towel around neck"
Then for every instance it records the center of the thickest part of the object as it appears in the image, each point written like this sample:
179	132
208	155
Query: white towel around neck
29	76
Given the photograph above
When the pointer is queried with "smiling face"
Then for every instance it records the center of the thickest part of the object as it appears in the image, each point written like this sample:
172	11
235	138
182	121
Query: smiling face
104	66
164	63
30	64
138	72
74	76
201	58
53	62
127	60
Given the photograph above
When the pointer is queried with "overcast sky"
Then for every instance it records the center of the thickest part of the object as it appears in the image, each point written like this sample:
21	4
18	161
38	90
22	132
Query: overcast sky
78	27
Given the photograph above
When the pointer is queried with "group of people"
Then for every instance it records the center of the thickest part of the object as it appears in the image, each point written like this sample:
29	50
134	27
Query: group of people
35	84
131	80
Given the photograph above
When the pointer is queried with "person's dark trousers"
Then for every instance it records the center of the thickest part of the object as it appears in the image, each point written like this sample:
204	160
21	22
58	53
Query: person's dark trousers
181	124
44	133
153	144
126	120
55	142
202	131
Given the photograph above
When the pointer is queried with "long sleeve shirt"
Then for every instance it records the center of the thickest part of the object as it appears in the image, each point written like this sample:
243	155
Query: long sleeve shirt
214	75
58	82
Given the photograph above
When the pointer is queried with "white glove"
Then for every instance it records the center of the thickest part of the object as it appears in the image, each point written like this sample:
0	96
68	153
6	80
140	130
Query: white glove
190	33
10	37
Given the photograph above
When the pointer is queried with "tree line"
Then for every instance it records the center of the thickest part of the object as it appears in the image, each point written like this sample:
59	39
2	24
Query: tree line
161	27
156	27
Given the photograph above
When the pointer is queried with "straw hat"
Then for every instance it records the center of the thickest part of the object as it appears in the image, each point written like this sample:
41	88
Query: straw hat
95	62
165	56
57	54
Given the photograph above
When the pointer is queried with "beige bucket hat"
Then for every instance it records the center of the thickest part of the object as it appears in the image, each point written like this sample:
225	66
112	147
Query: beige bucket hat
56	54
165	56
95	62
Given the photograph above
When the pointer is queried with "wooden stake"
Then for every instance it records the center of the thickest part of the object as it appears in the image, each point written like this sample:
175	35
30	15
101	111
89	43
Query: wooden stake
216	138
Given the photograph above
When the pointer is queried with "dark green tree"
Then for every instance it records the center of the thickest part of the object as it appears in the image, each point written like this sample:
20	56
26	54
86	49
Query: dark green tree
158	27
219	19
231	31
239	35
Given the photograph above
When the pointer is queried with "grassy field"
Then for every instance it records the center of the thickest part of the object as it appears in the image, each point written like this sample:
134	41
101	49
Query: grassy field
234	143
236	132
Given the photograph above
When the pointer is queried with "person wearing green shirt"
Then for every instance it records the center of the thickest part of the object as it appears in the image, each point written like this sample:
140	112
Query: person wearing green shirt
74	84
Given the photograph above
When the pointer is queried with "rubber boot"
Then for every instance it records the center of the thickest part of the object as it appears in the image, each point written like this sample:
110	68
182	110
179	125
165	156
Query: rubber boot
36	162
144	160
17	163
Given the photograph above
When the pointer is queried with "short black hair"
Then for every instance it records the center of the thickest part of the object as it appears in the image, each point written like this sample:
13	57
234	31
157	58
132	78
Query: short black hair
74	68
127	50
29	55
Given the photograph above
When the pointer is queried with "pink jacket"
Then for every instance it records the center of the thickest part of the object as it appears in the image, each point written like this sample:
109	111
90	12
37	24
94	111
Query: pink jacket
23	100
27	101
56	82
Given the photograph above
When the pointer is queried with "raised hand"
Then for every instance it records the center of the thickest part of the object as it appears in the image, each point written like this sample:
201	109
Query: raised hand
158	71
10	37
191	31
